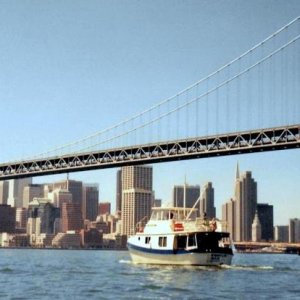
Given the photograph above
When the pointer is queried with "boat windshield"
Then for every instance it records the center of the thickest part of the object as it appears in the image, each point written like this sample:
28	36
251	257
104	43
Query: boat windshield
175	214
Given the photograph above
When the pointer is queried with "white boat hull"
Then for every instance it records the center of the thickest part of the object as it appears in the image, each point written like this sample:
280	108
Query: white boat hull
189	258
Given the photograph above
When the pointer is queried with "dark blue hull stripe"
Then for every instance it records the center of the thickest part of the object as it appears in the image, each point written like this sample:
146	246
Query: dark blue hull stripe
156	251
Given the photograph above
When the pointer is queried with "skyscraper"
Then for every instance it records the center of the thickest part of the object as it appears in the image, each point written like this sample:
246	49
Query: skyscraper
228	216
3	192
245	205
71	217
32	191
256	229
15	192
73	186
7	218
294	231
119	191
265	215
137	196
239	212
192	193
90	202
104	208
207	201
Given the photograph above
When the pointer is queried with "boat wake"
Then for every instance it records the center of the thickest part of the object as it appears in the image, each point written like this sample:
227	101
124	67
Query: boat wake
247	267
125	261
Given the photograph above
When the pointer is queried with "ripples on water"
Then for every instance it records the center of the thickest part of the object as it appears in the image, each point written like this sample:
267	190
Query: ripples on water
61	274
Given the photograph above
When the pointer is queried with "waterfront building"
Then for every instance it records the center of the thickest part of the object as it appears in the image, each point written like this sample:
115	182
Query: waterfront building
265	215
281	233
90	202
228	218
104	208
71	217
245	205
207	201
119	191
67	240
91	238
192	193
3	191
137	196
31	191
256	229
15	191
7	218
41	219
21	218
294	231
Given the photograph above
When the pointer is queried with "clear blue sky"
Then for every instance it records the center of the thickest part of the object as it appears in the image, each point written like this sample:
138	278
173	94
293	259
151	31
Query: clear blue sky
71	68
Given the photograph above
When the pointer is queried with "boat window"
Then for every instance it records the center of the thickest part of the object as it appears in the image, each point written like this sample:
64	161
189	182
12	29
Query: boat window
181	241
192	240
162	241
147	239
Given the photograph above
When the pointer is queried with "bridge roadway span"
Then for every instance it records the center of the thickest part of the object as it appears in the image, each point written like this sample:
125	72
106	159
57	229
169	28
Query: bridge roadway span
277	138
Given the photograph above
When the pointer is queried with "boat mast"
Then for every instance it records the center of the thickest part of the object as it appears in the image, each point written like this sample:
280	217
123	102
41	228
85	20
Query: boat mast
184	196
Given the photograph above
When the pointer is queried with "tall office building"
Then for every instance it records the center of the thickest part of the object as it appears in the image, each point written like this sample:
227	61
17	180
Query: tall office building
281	233
207	201
90	202
104	208
228	216
119	191
192	193
294	231
15	191
46	212
32	191
265	215
245	205
3	192
60	196
137	196
7	218
21	218
71	217
73	186
239	212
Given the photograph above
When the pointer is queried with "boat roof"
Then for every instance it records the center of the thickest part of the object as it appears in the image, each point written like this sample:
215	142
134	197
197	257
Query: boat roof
174	208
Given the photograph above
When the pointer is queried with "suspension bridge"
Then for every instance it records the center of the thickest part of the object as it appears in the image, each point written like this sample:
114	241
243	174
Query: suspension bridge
249	105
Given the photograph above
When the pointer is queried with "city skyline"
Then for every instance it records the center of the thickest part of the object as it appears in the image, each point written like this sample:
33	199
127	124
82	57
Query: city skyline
47	69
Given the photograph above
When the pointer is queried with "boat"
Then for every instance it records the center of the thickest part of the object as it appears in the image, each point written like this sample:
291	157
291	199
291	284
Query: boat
176	236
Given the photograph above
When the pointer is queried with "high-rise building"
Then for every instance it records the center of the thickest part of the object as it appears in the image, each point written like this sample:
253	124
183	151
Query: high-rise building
137	196
245	205
90	202
7	218
119	191
15	191
32	191
71	217
104	208
239	212
60	196
3	192
207	201
265	215
228	216
294	231
190	193
281	234
21	218
46	212
157	203
73	186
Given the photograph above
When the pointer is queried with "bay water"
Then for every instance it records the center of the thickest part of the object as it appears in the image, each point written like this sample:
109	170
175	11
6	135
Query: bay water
101	274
